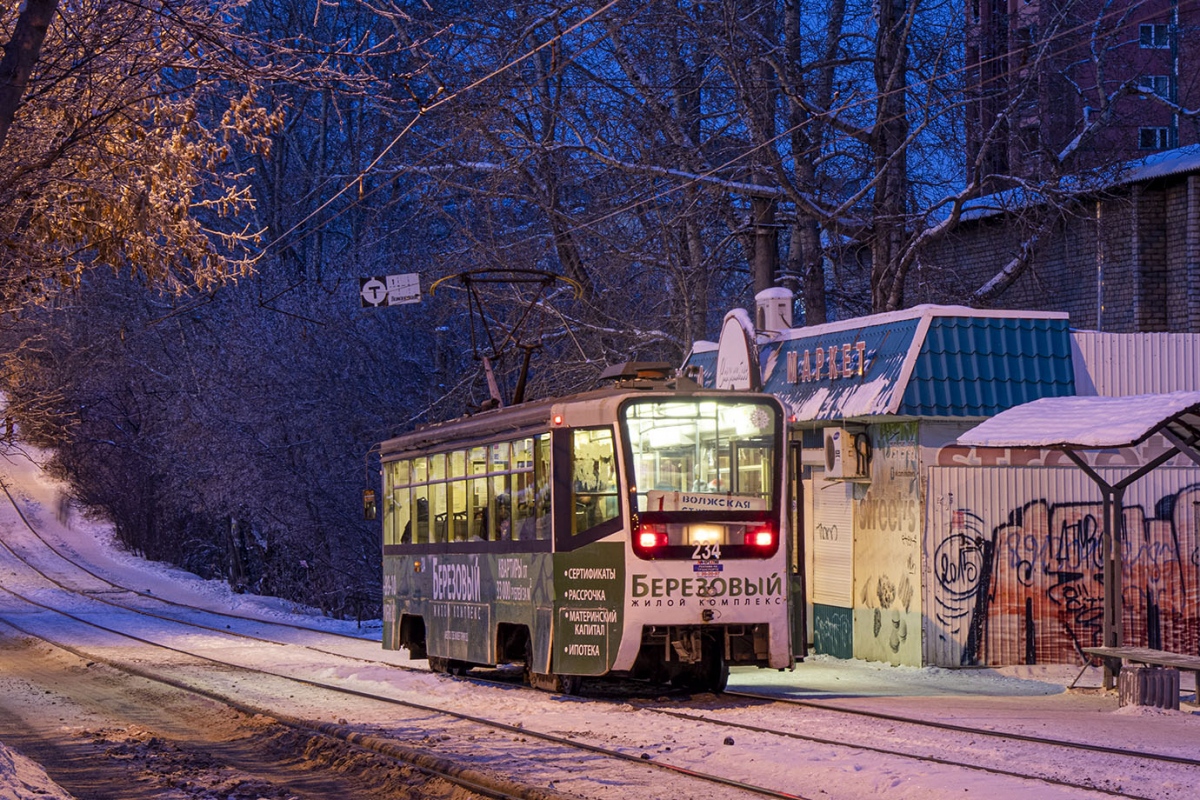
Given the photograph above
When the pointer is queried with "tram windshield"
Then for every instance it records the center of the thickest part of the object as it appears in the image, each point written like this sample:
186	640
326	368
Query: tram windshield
698	455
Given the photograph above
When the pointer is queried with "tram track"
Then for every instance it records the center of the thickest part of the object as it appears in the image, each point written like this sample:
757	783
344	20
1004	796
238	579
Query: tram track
574	741
1040	741
961	764
382	746
374	743
781	730
482	784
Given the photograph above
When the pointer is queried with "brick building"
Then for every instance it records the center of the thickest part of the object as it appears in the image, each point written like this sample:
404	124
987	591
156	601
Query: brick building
1039	72
1124	258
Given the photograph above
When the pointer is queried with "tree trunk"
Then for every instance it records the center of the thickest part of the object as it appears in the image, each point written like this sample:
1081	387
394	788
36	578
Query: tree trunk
888	143
20	54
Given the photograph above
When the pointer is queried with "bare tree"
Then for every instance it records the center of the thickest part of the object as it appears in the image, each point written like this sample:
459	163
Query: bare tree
108	159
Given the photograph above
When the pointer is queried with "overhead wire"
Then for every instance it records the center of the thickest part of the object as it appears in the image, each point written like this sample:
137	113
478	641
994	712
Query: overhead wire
437	103
714	171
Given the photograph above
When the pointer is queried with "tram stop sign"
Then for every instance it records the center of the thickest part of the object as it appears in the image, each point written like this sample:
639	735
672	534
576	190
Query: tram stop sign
390	290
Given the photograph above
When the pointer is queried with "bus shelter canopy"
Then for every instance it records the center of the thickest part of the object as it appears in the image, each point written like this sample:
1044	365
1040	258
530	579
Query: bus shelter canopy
1072	424
1093	423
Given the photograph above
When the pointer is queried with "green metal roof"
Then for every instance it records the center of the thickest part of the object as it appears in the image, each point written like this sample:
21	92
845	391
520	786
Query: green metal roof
980	366
928	361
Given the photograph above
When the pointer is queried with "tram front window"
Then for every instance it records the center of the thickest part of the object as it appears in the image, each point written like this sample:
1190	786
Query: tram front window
704	471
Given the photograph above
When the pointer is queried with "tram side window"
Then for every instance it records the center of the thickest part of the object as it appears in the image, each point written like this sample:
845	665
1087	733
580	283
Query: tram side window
542	483
595	478
501	509
498	492
457	514
478	524
439	513
398	524
524	524
753	475
420	518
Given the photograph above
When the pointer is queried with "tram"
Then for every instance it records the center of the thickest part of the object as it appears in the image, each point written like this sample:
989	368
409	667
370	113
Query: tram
634	530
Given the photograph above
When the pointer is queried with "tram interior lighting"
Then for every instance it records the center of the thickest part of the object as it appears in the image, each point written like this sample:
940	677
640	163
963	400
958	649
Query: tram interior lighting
660	438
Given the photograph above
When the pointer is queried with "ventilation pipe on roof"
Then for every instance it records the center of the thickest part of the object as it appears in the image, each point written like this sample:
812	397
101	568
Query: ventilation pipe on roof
773	310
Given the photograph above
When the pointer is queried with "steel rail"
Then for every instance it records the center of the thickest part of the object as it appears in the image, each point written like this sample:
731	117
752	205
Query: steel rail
922	758
322	727
949	726
1134	754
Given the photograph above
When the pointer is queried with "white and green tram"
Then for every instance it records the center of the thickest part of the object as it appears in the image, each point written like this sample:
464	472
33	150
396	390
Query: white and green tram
635	530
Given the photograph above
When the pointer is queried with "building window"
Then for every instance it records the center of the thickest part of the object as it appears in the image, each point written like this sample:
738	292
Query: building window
1025	40
1153	35
1153	138
1155	84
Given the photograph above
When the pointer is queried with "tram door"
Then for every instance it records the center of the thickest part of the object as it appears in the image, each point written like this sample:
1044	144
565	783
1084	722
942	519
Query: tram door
796	569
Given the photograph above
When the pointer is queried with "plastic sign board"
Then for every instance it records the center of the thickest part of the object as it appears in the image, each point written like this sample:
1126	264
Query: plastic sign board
657	500
737	354
390	290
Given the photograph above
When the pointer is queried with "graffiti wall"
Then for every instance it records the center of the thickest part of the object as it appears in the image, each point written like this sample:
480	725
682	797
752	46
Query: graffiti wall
1015	571
887	556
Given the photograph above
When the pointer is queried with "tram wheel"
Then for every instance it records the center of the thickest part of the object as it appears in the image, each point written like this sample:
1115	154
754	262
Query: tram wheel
716	672
714	675
711	674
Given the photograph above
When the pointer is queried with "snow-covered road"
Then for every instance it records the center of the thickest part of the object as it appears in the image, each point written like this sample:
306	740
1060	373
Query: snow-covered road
91	708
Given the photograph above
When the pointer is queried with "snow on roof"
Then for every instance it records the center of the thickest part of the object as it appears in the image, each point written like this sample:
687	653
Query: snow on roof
1082	422
1157	165
925	311
1161	165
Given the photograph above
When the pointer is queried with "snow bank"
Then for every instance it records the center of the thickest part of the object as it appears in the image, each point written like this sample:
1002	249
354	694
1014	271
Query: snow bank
22	779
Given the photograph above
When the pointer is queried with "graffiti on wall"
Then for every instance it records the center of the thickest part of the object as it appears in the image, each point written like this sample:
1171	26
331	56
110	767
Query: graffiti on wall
961	571
1031	588
887	532
833	631
1131	457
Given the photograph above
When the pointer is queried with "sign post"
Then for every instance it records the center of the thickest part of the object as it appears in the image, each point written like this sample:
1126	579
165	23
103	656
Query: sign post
390	290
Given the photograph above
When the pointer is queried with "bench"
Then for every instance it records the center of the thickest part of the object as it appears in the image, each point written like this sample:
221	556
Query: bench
1116	657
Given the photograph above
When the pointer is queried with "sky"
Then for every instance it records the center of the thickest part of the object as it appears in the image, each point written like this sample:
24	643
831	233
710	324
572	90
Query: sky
1029	699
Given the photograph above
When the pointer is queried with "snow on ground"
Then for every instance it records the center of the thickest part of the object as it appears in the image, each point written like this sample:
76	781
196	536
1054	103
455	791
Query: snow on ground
1029	699
21	779
95	544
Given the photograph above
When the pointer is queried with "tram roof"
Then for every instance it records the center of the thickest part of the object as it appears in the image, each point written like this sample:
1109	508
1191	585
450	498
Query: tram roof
534	415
